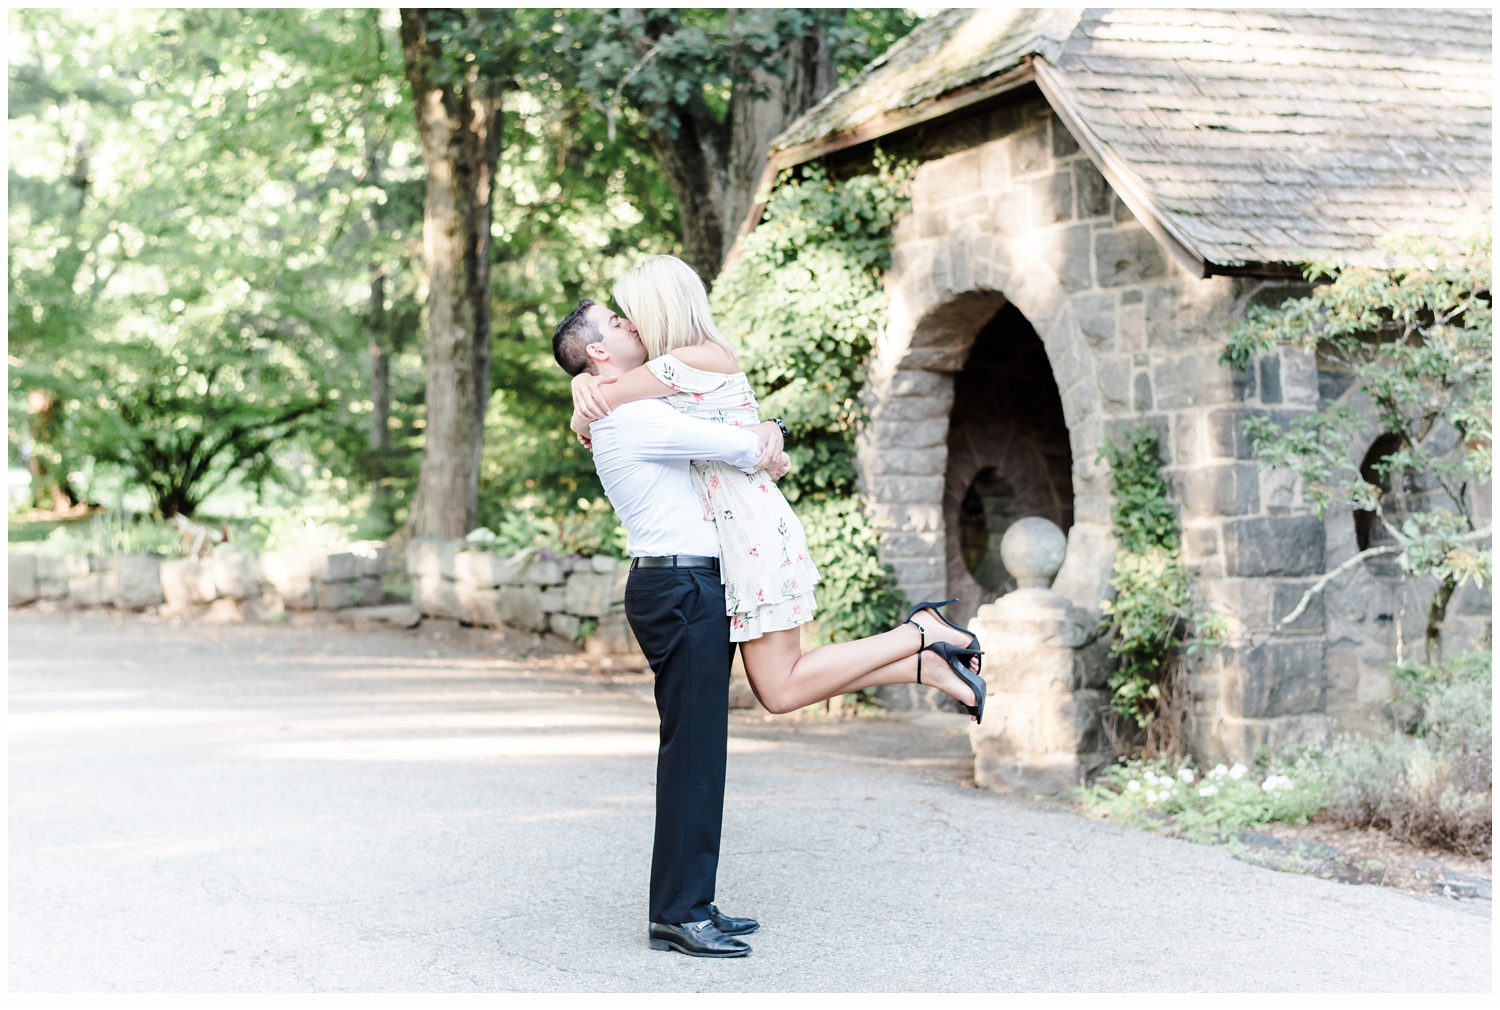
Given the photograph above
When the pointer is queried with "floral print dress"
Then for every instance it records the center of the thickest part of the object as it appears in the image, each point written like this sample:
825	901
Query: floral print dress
767	574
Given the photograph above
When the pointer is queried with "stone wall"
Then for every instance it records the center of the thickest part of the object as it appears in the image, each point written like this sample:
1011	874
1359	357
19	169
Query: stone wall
448	579
1018	214
271	580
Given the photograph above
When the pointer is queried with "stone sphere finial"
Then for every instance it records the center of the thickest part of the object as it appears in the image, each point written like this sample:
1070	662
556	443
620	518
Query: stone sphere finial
1033	550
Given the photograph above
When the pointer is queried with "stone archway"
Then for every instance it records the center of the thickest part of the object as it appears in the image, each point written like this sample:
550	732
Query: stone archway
944	291
1008	456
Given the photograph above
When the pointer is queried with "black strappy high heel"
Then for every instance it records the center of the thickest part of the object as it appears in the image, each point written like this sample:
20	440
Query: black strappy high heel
958	661
956	657
929	605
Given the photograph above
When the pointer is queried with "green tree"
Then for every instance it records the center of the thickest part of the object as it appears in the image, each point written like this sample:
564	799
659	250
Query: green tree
198	282
580	211
1417	339
710	89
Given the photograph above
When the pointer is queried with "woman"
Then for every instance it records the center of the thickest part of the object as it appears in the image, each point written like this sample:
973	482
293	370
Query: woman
768	576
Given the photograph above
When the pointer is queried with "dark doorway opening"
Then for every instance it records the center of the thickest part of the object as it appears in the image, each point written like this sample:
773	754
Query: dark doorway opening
1369	531
1008	455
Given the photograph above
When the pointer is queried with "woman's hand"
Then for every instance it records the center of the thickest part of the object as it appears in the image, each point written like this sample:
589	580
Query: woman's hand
580	426
587	400
779	467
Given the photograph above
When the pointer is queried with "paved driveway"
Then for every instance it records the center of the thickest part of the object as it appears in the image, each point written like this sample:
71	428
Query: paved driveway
252	808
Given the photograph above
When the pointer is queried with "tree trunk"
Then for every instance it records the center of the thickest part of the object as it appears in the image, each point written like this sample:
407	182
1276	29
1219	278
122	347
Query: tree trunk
380	365
458	120
1437	612
50	486
693	162
755	122
713	168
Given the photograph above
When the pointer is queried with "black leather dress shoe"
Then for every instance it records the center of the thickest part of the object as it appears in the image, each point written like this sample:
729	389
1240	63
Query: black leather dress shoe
729	925
697	939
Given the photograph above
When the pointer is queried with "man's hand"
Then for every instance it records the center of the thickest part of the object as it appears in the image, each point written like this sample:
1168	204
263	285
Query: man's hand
770	443
779	467
587	400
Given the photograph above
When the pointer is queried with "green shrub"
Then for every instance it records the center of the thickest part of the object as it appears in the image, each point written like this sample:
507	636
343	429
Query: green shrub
1434	788
1154	613
592	529
1206	806
858	595
295	528
805	301
1413	790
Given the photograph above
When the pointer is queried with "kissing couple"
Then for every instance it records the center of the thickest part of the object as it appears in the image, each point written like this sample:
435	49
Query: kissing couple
718	560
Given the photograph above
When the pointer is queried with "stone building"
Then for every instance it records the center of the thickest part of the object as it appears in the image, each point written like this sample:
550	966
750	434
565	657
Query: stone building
1101	194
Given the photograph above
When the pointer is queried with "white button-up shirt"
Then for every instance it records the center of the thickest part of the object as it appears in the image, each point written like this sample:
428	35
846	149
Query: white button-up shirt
642	451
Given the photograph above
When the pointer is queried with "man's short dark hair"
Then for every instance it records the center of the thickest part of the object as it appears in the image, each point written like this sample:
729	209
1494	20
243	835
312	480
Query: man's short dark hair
572	337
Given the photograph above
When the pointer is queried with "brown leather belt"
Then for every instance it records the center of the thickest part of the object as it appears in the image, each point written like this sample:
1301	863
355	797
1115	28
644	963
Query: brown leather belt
676	561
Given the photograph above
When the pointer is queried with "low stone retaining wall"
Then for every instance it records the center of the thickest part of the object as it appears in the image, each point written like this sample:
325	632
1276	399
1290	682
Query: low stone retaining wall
448	579
292	580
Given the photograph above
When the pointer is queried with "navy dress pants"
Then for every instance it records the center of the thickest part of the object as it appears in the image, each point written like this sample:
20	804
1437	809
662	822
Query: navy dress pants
678	618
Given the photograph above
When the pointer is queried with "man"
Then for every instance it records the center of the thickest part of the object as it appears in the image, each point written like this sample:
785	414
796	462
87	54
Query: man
675	604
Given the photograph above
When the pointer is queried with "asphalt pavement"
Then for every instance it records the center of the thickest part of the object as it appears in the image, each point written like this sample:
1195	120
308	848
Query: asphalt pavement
255	808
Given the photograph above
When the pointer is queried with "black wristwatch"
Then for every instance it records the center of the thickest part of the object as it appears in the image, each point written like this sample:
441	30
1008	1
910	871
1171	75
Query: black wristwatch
782	425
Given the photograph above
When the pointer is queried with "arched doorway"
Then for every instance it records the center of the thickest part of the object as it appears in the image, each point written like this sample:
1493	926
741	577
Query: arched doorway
1368	530
1008	455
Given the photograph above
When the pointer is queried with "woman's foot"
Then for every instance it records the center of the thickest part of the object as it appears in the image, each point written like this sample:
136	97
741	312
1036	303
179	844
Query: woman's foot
936	630
936	673
933	670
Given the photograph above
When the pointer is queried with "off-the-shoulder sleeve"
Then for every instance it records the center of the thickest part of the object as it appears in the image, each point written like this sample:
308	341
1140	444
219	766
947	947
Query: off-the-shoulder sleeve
685	378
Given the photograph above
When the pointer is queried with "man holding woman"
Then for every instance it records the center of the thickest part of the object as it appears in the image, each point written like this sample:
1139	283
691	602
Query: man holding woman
718	559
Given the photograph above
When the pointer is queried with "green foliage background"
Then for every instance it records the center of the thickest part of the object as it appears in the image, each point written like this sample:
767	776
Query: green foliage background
199	200
191	227
804	300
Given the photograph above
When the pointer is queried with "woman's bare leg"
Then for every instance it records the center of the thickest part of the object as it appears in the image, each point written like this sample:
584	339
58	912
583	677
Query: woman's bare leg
785	680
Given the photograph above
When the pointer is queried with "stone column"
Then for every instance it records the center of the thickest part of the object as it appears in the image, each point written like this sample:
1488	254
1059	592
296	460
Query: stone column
1044	666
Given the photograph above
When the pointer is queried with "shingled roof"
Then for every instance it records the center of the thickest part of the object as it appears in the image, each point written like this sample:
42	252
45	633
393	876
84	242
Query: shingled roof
1239	136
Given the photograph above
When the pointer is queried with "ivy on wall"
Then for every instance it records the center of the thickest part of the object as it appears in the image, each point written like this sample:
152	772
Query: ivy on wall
1154	612
803	301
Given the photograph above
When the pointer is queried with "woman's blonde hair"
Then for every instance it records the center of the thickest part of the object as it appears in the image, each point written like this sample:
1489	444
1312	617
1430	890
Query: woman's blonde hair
668	304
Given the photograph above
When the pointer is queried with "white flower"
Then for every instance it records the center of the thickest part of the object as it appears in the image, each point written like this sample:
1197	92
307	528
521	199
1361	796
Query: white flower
1186	774
1219	772
1150	796
1133	786
1274	783
1209	791
1238	771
